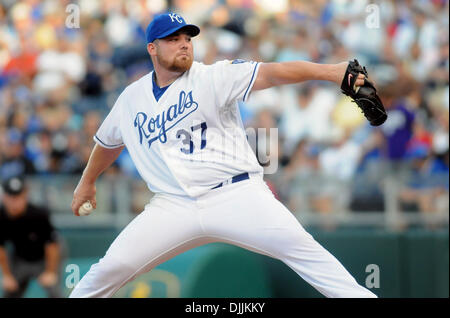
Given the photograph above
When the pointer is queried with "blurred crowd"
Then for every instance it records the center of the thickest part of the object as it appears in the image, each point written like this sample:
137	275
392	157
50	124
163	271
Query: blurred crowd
64	63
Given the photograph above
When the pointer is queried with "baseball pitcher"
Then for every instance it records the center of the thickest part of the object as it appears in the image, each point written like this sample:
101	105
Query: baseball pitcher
182	128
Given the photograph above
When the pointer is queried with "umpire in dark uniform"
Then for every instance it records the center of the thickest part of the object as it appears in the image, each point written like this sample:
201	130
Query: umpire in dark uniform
35	250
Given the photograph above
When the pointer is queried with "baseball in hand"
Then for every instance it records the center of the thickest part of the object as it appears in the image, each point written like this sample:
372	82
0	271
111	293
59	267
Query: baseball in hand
85	209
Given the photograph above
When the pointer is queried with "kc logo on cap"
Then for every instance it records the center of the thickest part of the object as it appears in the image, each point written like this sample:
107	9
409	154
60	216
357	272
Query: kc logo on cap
165	24
174	16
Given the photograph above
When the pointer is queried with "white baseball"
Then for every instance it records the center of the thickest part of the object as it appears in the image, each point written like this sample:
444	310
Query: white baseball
85	209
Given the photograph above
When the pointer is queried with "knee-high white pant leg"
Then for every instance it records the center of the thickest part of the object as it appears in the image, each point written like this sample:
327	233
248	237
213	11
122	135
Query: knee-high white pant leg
248	215
166	228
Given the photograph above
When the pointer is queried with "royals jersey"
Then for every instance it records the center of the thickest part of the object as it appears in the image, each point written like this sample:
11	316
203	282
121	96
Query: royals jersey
192	138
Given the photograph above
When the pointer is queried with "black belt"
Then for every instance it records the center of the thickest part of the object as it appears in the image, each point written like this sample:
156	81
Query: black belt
239	177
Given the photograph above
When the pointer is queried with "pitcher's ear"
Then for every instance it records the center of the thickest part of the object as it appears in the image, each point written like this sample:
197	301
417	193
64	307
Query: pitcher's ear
151	48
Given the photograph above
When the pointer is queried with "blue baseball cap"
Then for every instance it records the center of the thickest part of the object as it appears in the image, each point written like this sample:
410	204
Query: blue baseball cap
167	23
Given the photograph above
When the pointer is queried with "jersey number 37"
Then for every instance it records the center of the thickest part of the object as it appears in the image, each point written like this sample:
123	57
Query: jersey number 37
187	138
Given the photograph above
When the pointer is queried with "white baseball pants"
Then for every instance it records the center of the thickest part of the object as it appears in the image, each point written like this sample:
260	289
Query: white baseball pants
245	214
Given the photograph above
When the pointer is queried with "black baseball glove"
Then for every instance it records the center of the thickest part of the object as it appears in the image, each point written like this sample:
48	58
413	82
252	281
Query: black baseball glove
364	96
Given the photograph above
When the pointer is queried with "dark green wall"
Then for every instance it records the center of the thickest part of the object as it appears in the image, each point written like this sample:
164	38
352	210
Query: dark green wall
414	263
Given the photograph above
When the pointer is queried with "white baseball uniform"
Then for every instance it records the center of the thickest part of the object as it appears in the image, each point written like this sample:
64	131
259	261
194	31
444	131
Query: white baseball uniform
190	147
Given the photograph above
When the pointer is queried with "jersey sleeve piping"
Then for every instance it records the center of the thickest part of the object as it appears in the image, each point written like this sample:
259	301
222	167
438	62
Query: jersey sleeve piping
252	81
101	143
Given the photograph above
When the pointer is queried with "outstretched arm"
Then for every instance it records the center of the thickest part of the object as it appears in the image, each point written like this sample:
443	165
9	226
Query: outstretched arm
360	89
275	74
101	158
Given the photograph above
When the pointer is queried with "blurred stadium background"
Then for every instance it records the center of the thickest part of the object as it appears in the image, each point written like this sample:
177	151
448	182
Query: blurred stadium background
369	195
